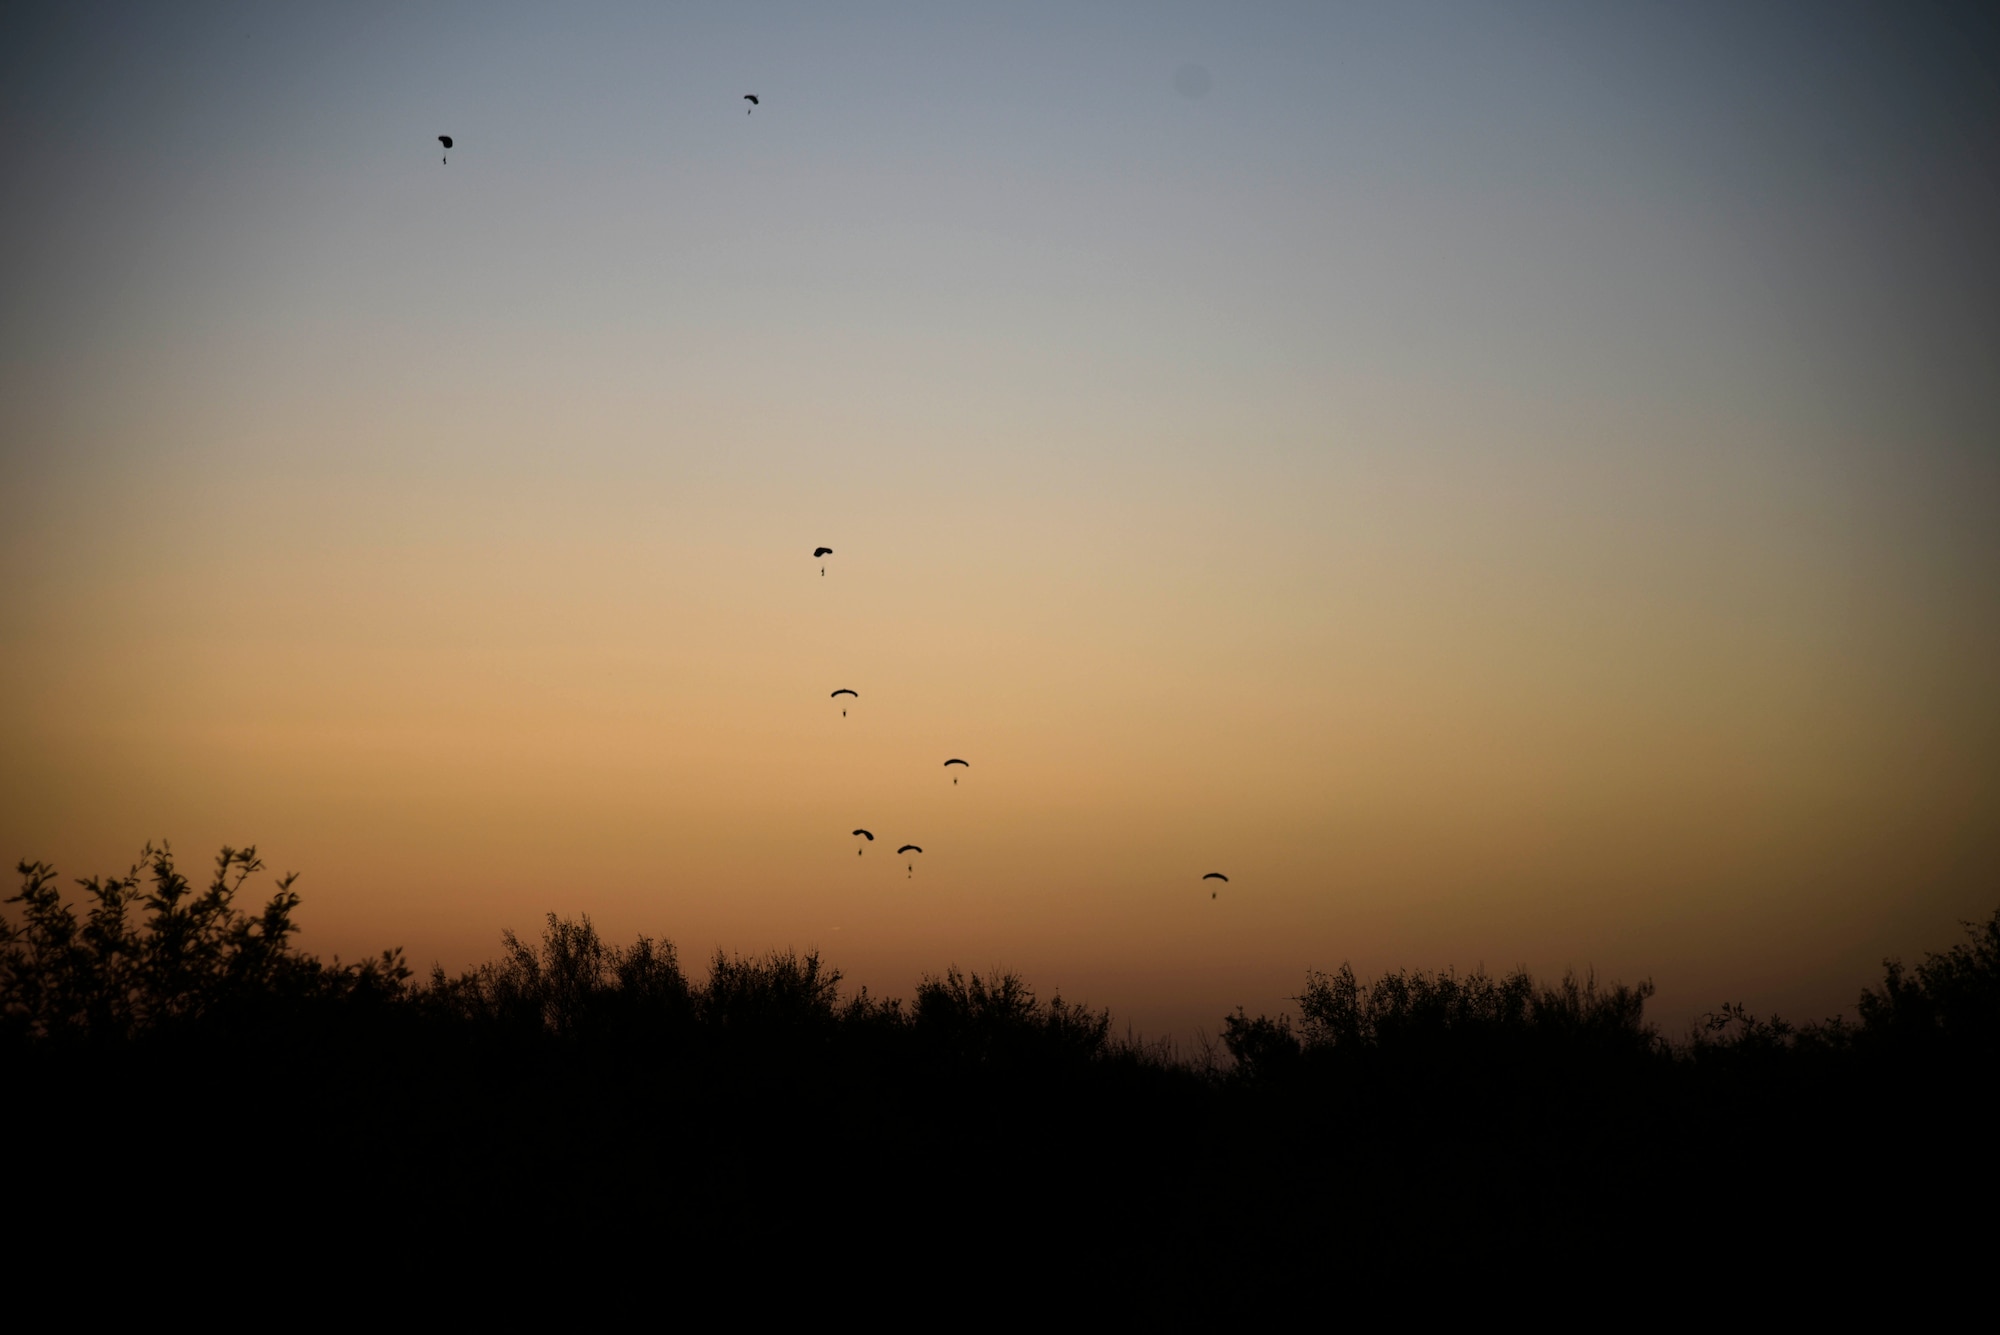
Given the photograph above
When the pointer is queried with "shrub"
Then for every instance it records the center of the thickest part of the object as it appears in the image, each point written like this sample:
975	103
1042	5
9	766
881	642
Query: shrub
1263	1048
1415	1008
782	990
1950	1001
190	954
569	983
997	1018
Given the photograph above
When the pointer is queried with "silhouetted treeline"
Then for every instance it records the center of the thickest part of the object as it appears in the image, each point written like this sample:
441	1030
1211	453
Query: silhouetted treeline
577	1091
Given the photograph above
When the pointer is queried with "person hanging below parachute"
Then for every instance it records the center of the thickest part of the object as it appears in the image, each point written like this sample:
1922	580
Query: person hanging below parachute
751	98
844	691
956	761
909	848
445	139
1215	876
822	552
864	848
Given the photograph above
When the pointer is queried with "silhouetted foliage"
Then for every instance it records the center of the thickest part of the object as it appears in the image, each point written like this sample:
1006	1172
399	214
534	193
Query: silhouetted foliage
1436	1015
997	1020
1262	1048
570	1082
571	983
1949	1002
784	992
1418	1008
194	954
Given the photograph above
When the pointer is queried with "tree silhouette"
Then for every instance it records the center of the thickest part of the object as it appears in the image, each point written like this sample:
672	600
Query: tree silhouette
571	1080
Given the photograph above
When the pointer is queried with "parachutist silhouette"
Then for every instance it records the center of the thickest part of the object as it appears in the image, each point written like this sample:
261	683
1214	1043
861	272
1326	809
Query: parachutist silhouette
751	98
445	139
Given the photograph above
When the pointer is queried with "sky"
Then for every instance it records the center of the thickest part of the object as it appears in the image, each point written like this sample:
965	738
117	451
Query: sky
1509	484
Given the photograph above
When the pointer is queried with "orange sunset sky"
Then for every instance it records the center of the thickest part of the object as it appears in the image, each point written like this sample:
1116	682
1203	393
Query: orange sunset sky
1505	483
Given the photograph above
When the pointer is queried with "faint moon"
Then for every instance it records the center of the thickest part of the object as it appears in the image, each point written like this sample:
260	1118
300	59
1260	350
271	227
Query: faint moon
1192	82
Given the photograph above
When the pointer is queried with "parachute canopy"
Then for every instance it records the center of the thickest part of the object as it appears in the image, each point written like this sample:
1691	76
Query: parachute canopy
865	835
844	691
1216	876
909	848
822	551
445	139
751	98
956	761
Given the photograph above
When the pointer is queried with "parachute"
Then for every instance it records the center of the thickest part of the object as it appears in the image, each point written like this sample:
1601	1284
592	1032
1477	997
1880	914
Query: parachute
1215	876
910	848
956	761
865	835
751	98
820	552
445	139
844	691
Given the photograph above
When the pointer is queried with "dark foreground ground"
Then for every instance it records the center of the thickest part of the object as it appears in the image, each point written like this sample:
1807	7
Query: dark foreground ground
179	1082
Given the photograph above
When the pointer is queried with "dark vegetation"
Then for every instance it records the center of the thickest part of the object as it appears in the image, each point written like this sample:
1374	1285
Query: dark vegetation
172	1061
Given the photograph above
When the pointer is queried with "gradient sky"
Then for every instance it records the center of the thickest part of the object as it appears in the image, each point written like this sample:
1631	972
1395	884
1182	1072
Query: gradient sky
1511	483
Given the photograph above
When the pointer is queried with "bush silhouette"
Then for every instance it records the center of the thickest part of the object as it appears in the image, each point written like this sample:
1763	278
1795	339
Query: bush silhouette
1262	1048
1949	1002
1435	1015
190	956
997	1020
571	1084
784	992
570	983
1417	1009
